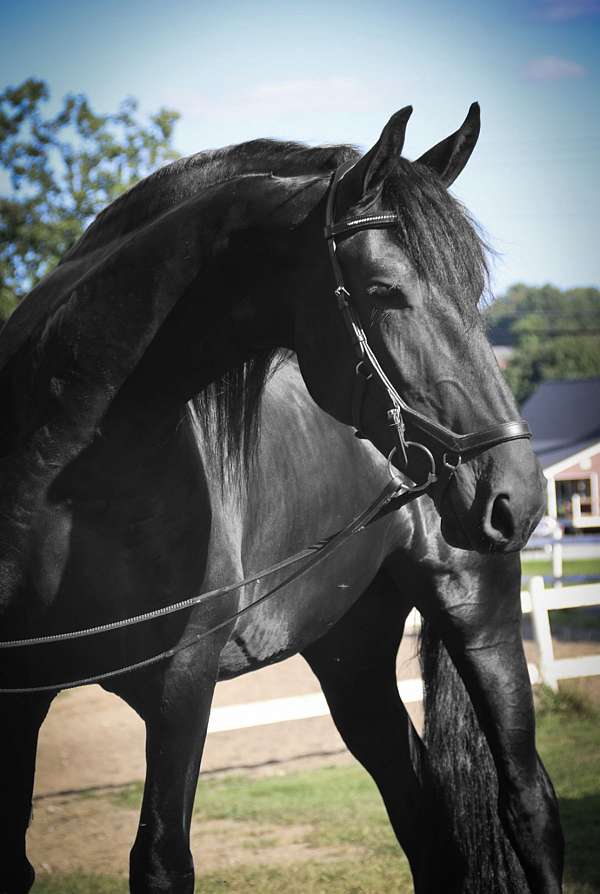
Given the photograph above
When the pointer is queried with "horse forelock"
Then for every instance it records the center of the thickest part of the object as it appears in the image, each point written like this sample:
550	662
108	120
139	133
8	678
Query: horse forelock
440	238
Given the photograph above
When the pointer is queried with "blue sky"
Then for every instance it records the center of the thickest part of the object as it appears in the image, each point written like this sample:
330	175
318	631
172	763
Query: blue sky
335	71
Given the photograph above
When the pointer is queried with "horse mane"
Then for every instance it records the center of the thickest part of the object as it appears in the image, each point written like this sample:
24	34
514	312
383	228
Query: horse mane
439	237
227	410
435	231
181	179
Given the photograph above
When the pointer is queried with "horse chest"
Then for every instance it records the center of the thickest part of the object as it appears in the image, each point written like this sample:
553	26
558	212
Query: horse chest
303	611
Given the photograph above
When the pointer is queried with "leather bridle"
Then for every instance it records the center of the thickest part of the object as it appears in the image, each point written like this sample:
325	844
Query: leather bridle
455	448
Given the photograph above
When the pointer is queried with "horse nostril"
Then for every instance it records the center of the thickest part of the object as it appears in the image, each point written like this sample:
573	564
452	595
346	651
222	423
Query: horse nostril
501	520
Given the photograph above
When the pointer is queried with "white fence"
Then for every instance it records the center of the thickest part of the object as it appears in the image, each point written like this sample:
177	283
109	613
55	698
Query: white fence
539	601
583	519
553	549
536	600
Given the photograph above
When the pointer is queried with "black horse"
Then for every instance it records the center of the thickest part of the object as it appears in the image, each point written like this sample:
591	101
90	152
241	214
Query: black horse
149	453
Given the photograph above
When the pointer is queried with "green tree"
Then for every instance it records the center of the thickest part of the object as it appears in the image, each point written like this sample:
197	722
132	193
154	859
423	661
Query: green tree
57	172
555	334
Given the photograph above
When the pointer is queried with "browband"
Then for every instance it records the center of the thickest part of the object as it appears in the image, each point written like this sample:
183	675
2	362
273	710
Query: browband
374	222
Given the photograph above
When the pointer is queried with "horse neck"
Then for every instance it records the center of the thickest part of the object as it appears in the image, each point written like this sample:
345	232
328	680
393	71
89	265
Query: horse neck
240	304
237	307
188	321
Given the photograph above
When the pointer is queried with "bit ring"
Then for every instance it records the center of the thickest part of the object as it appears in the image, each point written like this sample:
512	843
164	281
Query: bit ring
360	366
431	476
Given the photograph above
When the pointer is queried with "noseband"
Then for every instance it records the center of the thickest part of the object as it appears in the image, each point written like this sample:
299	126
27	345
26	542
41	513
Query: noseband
455	448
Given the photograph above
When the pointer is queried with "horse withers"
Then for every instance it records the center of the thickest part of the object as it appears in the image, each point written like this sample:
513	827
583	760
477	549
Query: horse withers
144	461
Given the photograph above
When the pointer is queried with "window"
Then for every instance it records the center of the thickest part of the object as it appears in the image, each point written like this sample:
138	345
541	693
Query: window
564	496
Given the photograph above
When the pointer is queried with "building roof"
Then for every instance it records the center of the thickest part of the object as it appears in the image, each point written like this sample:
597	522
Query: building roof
564	416
550	458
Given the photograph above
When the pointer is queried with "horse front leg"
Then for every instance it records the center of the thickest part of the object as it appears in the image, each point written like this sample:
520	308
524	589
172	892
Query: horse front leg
175	706
477	611
355	663
20	721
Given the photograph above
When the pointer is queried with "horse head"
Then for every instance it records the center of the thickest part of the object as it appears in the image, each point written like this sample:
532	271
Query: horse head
410	365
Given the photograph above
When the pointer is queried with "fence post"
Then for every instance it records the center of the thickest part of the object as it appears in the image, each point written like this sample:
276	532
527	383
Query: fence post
576	510
541	632
557	555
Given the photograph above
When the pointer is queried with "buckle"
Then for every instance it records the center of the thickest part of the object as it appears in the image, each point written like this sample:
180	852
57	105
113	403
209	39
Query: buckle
364	370
343	296
449	465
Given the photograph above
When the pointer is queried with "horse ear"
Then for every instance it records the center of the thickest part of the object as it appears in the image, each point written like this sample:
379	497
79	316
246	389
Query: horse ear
369	171
450	156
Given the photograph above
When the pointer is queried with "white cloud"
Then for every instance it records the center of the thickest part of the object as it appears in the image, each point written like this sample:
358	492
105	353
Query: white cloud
277	97
311	95
190	101
563	10
553	68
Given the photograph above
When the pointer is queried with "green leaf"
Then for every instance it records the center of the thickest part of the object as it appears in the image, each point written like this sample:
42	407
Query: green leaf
63	171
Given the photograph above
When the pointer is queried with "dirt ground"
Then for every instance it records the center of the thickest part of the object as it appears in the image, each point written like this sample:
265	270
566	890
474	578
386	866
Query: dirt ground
93	740
92	743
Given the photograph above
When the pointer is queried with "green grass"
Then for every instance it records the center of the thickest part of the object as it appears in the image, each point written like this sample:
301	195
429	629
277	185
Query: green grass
529	567
309	877
570	749
567	703
79	883
340	806
576	618
341	809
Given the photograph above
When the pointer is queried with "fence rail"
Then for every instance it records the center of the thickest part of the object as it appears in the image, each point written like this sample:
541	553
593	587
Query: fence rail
539	601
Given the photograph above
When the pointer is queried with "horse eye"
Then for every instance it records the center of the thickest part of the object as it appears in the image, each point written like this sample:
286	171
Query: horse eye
388	295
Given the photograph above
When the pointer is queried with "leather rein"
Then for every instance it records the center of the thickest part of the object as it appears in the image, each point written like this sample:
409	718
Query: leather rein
367	368
393	492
